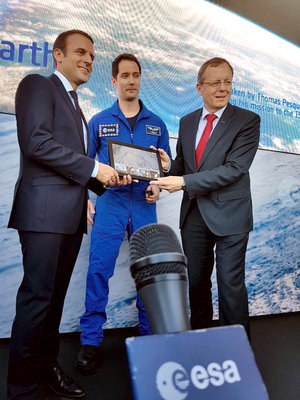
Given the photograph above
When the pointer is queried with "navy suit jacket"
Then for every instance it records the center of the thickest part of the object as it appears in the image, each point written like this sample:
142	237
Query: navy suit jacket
221	183
50	193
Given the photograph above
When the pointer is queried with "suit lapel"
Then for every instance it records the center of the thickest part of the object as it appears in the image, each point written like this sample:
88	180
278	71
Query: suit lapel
67	99
220	128
191	139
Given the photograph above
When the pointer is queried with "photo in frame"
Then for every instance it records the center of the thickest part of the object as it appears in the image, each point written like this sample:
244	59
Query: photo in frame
139	162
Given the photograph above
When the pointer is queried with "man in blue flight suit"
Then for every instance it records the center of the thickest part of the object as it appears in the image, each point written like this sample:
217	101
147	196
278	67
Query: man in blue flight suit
126	208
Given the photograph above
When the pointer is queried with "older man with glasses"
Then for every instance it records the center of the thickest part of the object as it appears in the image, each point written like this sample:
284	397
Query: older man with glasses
215	148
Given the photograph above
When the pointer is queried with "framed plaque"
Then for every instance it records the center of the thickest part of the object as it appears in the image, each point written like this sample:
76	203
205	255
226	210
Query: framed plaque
139	162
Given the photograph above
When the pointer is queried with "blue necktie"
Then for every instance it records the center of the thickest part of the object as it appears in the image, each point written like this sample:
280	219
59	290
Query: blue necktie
77	108
75	98
78	115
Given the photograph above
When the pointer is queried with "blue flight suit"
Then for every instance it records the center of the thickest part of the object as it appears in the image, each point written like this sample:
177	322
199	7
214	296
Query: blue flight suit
117	210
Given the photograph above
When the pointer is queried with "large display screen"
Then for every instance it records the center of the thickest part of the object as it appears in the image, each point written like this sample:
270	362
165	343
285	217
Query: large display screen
171	39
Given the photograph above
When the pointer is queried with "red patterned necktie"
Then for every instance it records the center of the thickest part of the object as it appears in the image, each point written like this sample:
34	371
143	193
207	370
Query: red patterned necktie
205	136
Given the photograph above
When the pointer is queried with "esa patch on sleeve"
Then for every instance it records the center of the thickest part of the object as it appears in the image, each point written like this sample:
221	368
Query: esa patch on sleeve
153	130
108	130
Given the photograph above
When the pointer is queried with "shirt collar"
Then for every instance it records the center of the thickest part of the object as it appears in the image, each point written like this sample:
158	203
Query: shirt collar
144	113
67	85
217	113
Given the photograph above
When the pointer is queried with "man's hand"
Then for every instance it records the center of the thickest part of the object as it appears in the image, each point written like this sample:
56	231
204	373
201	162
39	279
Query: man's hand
164	158
152	194
107	175
90	212
170	183
126	180
110	178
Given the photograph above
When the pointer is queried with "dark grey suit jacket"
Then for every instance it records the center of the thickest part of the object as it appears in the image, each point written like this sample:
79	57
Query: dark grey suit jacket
50	193
221	183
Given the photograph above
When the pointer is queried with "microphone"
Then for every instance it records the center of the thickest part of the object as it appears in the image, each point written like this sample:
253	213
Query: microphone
158	267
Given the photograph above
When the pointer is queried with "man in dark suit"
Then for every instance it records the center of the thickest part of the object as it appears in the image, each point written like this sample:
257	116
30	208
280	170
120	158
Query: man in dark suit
50	210
215	148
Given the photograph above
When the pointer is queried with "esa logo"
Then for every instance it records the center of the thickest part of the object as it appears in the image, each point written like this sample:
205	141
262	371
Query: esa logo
108	130
172	380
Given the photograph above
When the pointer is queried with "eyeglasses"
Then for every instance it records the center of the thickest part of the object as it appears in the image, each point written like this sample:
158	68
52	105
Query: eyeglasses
217	83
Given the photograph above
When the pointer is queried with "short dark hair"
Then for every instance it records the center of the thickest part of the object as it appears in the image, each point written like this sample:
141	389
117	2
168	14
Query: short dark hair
213	62
117	60
60	41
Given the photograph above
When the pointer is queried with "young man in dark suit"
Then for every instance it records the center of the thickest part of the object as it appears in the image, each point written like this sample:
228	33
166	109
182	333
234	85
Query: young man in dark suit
215	148
50	210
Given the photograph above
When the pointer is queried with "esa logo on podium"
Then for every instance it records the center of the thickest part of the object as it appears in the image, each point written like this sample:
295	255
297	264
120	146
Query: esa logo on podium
173	381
